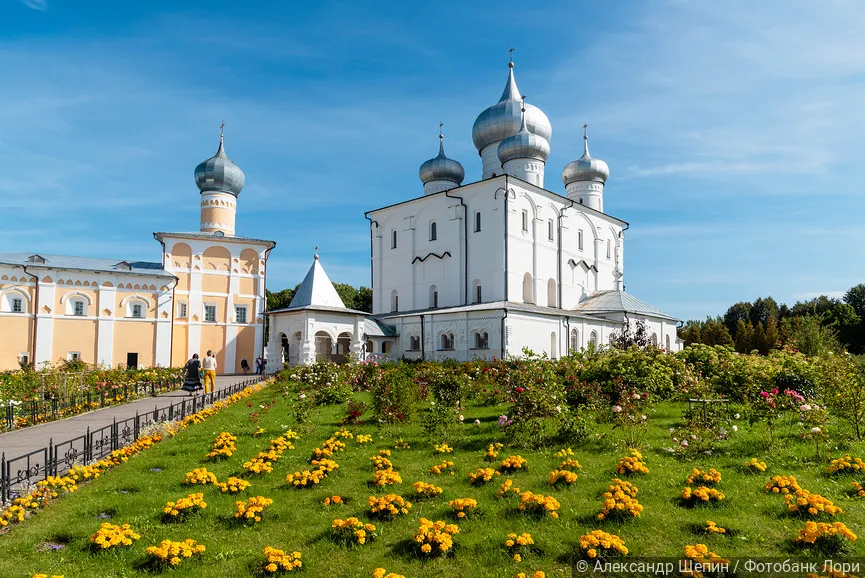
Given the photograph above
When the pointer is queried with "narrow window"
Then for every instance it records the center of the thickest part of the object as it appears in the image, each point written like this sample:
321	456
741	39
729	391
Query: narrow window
414	343
137	311
182	309
17	305
240	314
608	248
477	222
525	221
478	294
435	299
394	301
393	240
550	229
78	308
580	239
433	233
73	356
210	313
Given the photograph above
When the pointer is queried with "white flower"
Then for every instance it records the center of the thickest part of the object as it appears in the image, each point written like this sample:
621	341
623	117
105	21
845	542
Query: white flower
672	430
735	428
643	417
737	416
302	396
636	396
477	422
559	408
804	407
684	443
815	430
461	417
617	409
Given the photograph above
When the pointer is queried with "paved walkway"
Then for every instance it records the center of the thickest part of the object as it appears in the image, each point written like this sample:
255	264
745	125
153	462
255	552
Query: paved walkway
19	442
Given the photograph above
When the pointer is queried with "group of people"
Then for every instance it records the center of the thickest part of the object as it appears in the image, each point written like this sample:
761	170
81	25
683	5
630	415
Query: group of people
205	370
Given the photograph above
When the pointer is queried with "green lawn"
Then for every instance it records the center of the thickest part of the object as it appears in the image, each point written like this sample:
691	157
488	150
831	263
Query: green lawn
135	493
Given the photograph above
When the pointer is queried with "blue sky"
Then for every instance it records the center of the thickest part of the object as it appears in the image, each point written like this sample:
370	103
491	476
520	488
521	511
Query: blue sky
733	130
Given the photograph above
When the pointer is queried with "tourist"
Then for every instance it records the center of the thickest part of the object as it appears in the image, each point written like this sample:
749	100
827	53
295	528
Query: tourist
259	365
192	382
244	365
209	366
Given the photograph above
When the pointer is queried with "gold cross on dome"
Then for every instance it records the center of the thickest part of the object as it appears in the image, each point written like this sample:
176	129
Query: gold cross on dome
511	52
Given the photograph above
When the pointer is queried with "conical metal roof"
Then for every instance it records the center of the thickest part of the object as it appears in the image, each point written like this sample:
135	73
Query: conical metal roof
316	290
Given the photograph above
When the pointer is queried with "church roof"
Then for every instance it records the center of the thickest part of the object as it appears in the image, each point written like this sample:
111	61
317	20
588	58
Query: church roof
318	293
619	302
85	264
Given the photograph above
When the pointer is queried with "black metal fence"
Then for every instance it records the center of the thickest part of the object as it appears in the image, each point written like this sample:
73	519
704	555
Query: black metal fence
56	459
24	414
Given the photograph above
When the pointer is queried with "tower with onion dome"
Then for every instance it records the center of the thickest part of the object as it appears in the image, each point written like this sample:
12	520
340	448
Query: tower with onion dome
585	177
504	119
220	182
441	173
524	154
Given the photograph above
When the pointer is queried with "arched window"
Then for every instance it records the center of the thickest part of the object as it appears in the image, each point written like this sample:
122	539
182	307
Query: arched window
14	301
136	306
655	339
575	340
608	248
525	221
551	293
667	338
433	296
414	343
394	301
447	341
554	346
385	347
478	291
393	239
580	239
433	233
550	233
528	289
593	339
76	304
477	221
482	340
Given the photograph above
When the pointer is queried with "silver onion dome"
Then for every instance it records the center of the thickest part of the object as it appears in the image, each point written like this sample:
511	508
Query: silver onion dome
218	173
442	168
524	145
503	119
585	168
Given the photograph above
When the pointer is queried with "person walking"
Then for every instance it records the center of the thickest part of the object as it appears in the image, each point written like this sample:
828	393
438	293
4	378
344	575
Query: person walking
209	366
259	365
244	365
192	381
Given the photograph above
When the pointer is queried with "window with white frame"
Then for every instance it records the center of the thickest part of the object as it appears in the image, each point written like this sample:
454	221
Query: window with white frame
580	239
24	358
137	311
210	313
608	248
525	221
17	305
73	356
482	340
78	308
550	233
240	314
12	301
414	343
447	341
183	310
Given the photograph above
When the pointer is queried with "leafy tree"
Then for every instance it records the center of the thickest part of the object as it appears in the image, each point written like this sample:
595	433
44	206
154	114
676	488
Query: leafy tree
363	301
280	299
739	312
772	335
855	297
744	336
762	310
347	293
812	338
691	332
715	332
817	307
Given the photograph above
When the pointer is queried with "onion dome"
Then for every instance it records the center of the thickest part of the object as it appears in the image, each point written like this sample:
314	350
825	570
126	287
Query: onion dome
219	174
441	168
524	145
503	119
586	168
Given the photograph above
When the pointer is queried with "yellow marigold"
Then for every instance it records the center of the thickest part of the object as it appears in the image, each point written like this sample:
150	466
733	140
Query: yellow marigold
425	490
700	554
565	453
810	504
701	494
482	476
381	463
703	477
352	531
535	574
233	486
402	445
462	507
713	528
114	536
443	448
858	489
180	509
570	464
492	452
513	463
846	464
561	476
224	446
632	464
782	485
199	476
435	538
330	500
826	534
251	509
598	543
280	561
382	573
754	465
620	500
363	439
439	468
507	488
388	477
388	506
538	504
343	433
171	552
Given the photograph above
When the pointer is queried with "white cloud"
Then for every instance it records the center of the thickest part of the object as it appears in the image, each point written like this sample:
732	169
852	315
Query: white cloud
835	294
40	5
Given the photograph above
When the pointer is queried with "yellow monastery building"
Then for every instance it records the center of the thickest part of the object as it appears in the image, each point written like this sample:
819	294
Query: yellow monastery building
206	292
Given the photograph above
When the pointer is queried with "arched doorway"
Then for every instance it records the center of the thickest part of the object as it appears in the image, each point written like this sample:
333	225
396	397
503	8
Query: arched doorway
323	345
343	345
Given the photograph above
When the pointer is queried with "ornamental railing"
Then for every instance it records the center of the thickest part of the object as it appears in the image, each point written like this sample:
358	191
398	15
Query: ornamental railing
17	415
23	472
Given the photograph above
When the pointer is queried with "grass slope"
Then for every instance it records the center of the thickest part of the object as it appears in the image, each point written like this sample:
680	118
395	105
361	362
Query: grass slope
135	493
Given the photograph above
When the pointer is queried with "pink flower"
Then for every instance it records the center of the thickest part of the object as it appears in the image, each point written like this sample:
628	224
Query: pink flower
774	390
617	409
764	394
684	443
519	389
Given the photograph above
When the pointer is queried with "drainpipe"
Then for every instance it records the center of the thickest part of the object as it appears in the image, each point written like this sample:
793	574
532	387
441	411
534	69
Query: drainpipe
35	318
625	228
559	263
568	334
173	304
422	339
505	316
264	297
371	262
465	246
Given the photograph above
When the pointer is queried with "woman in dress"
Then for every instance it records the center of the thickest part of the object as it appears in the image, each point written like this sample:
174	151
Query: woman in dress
193	375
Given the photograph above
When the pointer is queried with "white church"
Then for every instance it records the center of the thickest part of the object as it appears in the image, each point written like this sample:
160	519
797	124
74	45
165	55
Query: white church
484	269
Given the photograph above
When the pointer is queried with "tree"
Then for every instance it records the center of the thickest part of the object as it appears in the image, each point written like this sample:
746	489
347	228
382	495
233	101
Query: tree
762	310
739	312
279	299
347	293
772	336
855	297
363	301
744	336
812	338
691	332
716	333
